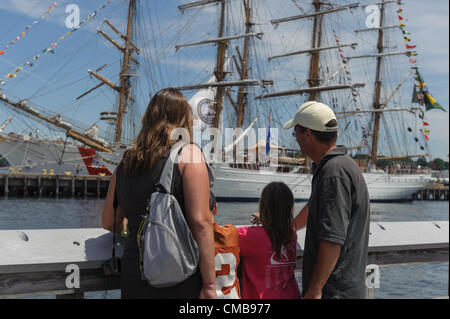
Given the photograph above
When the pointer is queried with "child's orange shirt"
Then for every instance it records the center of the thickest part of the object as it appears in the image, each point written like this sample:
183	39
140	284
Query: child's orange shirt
226	242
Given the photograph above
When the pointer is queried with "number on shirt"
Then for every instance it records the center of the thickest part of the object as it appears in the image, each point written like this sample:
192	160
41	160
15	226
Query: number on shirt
227	280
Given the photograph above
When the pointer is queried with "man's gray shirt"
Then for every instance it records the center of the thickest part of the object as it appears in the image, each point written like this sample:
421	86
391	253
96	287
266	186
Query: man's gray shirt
339	209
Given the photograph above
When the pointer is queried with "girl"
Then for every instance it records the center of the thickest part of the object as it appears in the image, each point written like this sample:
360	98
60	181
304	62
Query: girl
268	252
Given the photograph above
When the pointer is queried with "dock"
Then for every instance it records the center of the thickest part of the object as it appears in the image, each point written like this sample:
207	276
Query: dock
433	191
41	262
53	185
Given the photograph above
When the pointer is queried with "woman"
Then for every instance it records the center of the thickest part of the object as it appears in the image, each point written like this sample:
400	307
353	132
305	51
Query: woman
135	177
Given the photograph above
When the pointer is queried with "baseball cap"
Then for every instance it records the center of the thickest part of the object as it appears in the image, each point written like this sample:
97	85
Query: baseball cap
313	115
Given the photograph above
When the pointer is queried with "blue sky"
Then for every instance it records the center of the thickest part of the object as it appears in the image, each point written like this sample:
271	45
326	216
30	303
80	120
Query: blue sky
426	21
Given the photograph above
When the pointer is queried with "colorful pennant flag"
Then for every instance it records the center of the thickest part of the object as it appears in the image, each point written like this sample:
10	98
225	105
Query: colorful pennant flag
422	95
50	49
354	93
406	38
22	34
295	2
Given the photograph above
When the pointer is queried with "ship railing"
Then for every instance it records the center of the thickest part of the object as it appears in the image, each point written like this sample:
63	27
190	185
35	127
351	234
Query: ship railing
276	168
398	171
67	263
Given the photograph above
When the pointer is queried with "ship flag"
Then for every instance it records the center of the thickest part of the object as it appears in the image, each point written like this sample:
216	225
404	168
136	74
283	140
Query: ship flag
203	105
422	95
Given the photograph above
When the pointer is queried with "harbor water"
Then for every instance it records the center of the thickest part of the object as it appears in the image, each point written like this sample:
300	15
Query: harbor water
413	281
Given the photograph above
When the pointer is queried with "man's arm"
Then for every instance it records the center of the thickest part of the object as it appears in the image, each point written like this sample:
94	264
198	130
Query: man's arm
302	218
326	261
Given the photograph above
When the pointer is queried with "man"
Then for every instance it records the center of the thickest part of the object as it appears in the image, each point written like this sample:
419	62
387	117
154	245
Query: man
337	213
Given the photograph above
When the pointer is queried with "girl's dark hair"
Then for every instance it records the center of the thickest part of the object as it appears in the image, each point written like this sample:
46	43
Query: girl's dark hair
275	211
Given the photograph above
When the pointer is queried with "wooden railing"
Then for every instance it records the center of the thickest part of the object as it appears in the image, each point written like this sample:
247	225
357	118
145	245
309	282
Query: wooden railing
41	262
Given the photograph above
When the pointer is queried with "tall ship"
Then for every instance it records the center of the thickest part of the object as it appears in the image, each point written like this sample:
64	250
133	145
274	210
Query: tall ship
245	67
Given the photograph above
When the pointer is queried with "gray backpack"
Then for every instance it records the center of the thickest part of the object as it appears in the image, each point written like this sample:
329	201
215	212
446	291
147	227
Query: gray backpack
168	250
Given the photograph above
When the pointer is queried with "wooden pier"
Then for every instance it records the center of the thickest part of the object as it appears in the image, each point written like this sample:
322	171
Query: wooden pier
43	262
58	185
433	191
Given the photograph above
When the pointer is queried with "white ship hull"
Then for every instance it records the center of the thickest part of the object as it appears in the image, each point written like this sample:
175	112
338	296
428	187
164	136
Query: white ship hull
238	184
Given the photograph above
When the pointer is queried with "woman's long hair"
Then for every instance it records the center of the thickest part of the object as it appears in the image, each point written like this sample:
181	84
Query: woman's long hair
275	209
168	110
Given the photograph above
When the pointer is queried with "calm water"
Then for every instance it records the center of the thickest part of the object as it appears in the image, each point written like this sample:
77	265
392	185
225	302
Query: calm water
418	281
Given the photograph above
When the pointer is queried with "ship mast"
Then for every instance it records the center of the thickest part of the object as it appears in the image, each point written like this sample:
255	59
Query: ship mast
315	86
376	103
315	55
220	71
220	74
124	88
379	108
243	70
124	77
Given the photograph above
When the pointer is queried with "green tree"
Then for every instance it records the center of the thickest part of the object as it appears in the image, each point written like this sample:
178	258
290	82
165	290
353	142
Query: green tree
440	164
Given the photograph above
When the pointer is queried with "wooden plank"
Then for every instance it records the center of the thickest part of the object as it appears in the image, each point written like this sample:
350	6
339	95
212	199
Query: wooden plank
54	249
401	236
409	257
51	283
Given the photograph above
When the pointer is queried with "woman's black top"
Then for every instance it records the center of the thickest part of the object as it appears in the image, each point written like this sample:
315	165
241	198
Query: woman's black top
133	192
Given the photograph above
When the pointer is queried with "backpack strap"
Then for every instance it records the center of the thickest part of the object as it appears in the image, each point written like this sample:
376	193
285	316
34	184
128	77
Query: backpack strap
165	180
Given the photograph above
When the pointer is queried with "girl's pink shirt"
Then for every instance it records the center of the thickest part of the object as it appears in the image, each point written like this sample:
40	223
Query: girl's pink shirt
264	275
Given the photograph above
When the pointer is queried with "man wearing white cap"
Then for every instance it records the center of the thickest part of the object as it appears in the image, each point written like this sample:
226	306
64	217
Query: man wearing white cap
337	213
